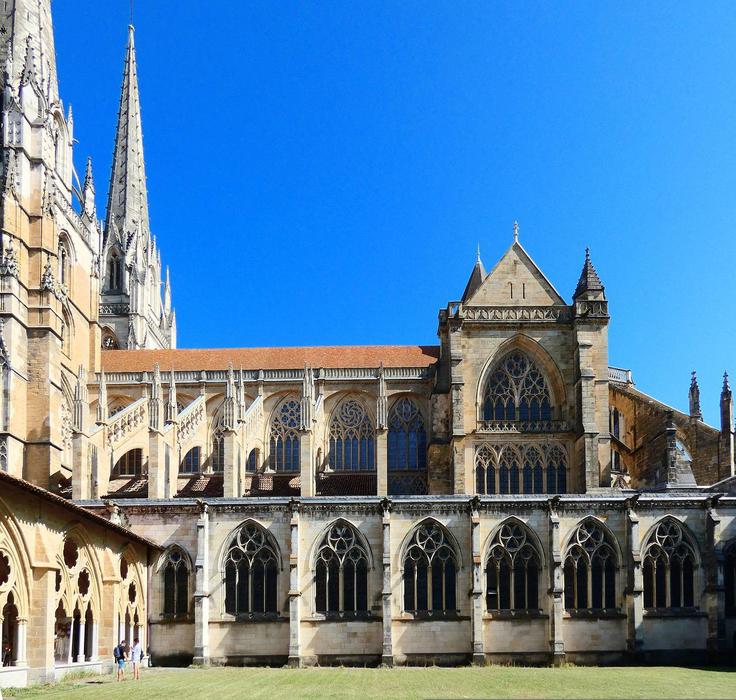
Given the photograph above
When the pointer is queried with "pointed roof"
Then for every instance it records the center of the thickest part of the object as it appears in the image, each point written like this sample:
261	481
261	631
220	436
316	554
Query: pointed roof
128	198
476	278
589	280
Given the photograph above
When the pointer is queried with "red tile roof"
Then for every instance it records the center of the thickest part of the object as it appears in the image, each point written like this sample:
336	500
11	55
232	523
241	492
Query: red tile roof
271	358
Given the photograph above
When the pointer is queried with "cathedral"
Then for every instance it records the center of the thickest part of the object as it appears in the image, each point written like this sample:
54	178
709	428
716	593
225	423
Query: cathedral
503	496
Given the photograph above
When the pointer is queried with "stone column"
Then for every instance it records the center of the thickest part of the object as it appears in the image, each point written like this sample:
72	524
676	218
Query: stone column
382	462
156	465
202	593
70	658
81	483
21	633
715	590
95	651
80	657
635	585
557	642
294	590
479	654
387	653
306	463
230	475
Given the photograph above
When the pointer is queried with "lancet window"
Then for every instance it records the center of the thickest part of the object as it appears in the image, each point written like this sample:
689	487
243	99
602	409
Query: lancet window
352	438
430	571
176	583
516	390
130	464
512	570
114	273
729	578
508	468
669	568
590	569
251	573
341	574
217	461
192	461
284	444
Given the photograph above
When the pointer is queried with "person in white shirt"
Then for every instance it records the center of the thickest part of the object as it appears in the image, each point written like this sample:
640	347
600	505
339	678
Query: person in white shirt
136	654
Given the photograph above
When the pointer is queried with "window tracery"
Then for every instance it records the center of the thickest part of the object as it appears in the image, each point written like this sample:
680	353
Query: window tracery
284	444
130	464
251	573
430	569
512	570
516	390
510	468
590	569
191	463
114	273
217	461
341	574
352	438
669	568
176	583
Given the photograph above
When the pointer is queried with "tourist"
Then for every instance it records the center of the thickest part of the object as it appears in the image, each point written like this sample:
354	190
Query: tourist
136	654
120	653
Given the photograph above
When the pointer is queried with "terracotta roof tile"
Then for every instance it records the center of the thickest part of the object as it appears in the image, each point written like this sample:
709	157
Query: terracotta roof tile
272	358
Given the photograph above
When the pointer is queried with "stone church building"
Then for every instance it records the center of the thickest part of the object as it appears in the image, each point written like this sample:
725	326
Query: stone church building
504	495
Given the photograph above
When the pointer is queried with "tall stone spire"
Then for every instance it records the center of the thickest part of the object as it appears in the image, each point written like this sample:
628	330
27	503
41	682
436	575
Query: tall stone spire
127	203
477	275
589	284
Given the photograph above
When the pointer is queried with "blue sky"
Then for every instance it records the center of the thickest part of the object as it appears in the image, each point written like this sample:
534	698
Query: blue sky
321	172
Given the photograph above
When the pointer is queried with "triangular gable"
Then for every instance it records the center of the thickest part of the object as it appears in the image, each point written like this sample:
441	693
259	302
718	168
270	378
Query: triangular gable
516	281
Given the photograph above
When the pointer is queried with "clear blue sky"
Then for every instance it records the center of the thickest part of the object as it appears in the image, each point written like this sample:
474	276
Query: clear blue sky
321	172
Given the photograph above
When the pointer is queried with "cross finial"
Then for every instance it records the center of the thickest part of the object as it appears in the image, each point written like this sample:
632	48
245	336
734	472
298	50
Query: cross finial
516	231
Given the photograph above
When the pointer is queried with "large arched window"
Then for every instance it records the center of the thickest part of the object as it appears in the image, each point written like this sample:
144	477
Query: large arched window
516	390
341	572
285	437
430	571
590	569
729	578
512	570
130	464
407	449
191	463
504	468
176	583
352	438
669	568
251	573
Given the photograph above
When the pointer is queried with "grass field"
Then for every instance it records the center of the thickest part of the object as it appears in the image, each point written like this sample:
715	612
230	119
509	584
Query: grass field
323	683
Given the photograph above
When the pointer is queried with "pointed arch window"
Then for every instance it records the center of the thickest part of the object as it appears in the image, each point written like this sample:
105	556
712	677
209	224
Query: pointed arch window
430	572
516	390
64	265
176	583
130	464
217	460
669	568
352	438
512	571
191	463
251	573
114	272
341	573
509	468
590	569
284	444
407	437
729	578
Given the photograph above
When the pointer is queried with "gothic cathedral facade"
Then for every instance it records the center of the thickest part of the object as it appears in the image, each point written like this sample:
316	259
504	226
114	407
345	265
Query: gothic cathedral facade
504	495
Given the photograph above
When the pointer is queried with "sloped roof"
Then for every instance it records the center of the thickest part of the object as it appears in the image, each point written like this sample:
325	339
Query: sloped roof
589	280
477	276
272	358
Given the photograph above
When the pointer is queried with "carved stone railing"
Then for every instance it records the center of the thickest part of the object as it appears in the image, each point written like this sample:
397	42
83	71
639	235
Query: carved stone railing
622	376
191	418
538	314
522	426
253	421
114	309
128	422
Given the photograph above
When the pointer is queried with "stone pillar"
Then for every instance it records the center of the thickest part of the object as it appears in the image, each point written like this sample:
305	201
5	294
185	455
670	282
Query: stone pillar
95	651
156	465
70	658
230	475
382	462
387	653
81	483
557	641
307	465
479	653
202	593
21	633
80	657
294	590
715	590
635	586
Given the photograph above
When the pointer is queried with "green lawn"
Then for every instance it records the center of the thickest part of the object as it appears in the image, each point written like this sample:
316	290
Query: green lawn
323	683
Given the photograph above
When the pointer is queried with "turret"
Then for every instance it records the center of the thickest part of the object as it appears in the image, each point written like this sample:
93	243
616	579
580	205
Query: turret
88	193
694	398
728	468
477	275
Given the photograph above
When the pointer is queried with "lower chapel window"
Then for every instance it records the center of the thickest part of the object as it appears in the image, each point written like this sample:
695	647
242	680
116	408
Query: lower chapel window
176	583
430	569
590	569
284	443
251	573
341	574
512	571
510	469
669	568
352	438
